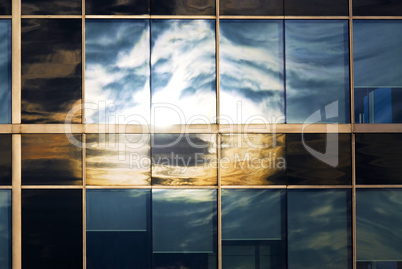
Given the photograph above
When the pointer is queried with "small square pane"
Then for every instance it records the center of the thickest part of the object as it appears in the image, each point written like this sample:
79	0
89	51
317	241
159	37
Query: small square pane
5	159
5	7
316	8
183	7
51	7
251	7
5	229
116	7
377	8
5	71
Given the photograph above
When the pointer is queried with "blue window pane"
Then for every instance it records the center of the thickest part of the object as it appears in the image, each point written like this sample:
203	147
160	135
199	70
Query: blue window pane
183	84
117	71
319	229
251	71
317	71
5	71
5	229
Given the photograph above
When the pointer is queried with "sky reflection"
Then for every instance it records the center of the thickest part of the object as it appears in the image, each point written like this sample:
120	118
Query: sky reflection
5	71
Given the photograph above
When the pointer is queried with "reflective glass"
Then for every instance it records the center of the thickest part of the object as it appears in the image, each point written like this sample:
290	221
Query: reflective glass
51	69
251	7
5	71
184	159
183	84
316	8
253	229
253	159
5	229
118	229
51	229
51	7
317	71
118	159
323	159
117	71
183	7
5	159
319	229
379	228
116	7
5	7
378	158
251	71
184	228
377	8
50	159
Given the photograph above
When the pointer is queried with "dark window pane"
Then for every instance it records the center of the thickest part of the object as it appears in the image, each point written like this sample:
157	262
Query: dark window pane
184	159
319	229
51	7
251	7
317	71
118	229
5	229
5	7
5	159
251	71
51	69
253	159
378	158
51	229
183	7
253	234
5	71
316	8
323	159
50	159
184	229
377	8
116	7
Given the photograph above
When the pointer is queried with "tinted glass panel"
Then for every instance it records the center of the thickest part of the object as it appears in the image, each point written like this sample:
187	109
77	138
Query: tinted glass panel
5	71
253	234
117	71
51	229
50	159
51	69
251	7
317	71
377	8
318	159
5	159
253	159
378	158
5	229
184	229
317	8
251	71
5	7
183	71
184	159
116	7
183	7
51	7
319	229
118	229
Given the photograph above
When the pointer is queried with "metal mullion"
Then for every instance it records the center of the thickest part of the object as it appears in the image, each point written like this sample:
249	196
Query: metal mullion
183	187
219	211
16	202
319	186
377	17
254	187
51	16
111	17
391	186
316	17
242	17
6	16
183	17
51	187
95	187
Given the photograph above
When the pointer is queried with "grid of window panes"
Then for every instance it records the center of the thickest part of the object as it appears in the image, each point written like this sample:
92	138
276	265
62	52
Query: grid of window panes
200	134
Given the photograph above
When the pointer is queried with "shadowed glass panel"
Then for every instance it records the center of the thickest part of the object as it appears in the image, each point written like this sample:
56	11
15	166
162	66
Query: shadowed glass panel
253	234
5	71
5	7
184	159
50	69
118	159
51	229
5	159
319	229
51	7
378	158
183	83
251	7
317	71
116	7
5	229
323	159
118	229
379	228
50	159
377	8
117	71
251	71
183	7
253	159
316	8
184	228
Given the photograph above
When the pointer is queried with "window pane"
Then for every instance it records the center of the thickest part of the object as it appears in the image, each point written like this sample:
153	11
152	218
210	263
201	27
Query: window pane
253	159
377	8
118	229
317	71
50	159
5	7
5	229
184	159
252	7
253	234
116	7
117	71
184	228
51	7
319	229
251	71
51	229
51	69
5	71
183	71
5	159
378	158
317	8
183	7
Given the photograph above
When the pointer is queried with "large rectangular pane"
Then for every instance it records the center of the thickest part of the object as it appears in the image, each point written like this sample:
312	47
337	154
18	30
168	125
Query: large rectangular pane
183	79
118	229
5	229
184	228
316	8
253	159
5	159
317	71
117	71
251	71
52	229
251	7
50	70
253	229
319	229
183	7
5	71
116	7
51	7
377	8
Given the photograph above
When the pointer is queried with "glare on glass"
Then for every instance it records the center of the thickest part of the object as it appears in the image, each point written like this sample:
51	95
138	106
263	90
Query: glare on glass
5	71
5	229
